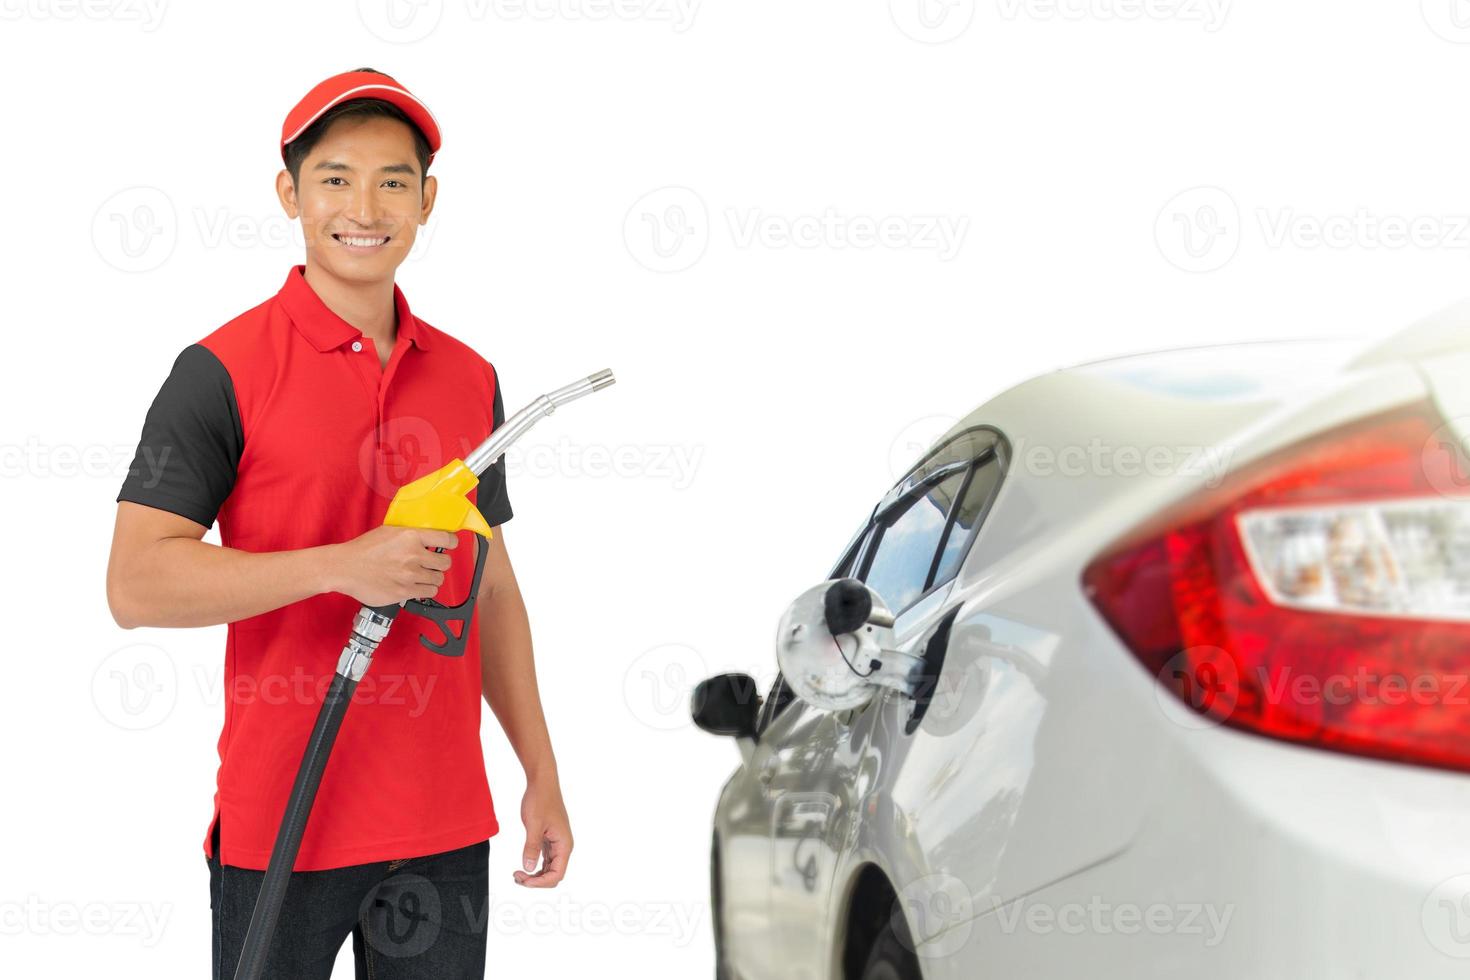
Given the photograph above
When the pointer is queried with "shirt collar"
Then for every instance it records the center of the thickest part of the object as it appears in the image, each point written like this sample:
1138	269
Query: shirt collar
325	329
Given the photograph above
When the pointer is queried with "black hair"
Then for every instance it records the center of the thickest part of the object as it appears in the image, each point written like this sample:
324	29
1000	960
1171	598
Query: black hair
298	149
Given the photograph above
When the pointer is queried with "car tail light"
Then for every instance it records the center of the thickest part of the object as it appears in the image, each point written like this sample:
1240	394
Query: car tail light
1320	595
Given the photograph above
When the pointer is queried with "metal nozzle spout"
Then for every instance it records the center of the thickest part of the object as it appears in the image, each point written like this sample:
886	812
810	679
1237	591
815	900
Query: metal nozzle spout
487	452
584	386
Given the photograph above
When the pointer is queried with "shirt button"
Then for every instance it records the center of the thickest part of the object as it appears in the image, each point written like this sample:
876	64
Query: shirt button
357	345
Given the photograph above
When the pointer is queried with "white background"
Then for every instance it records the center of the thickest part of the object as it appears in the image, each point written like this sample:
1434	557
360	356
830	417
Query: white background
1114	176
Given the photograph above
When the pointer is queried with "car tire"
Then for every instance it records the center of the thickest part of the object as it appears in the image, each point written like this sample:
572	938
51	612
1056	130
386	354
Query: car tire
891	959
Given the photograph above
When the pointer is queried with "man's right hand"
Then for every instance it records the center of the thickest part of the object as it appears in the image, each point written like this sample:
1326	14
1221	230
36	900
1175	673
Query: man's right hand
390	564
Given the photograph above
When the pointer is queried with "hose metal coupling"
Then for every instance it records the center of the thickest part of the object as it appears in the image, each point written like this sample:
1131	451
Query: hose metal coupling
368	629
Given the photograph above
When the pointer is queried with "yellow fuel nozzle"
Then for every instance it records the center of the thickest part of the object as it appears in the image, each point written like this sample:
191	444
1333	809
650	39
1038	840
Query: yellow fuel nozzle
438	500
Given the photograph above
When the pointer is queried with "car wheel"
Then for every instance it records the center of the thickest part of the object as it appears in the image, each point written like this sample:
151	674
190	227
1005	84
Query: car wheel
891	959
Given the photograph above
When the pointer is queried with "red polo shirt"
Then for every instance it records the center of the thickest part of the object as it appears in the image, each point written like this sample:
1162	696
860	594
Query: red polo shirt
283	424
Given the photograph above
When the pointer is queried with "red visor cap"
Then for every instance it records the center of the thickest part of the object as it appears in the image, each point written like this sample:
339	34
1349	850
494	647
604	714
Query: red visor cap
359	85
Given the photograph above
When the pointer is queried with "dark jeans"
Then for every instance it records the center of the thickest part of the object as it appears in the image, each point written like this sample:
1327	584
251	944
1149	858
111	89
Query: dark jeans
422	917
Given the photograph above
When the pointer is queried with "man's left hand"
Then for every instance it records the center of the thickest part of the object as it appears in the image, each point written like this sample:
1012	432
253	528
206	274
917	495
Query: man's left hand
548	836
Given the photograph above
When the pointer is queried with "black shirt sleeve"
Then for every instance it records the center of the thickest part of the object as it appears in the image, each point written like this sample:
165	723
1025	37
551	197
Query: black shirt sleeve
192	439
491	496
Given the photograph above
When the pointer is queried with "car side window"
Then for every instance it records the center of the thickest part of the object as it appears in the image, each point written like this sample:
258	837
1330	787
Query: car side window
908	540
974	504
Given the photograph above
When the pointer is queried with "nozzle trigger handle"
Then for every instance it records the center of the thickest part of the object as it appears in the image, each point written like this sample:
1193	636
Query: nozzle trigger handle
442	615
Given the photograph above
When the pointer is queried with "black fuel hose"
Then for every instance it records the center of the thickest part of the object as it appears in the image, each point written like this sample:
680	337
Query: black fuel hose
257	944
293	827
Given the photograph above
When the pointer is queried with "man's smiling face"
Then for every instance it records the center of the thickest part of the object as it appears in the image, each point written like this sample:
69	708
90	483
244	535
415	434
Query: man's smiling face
361	198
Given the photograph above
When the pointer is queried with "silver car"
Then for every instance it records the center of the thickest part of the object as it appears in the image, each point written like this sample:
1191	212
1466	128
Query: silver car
1150	667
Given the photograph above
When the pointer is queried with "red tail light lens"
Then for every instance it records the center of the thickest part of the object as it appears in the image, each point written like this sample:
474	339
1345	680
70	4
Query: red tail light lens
1321	595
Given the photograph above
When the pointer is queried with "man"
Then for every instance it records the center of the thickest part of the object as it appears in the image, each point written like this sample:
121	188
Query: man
294	424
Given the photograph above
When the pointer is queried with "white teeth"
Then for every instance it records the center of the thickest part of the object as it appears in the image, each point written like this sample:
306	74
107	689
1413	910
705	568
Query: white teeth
361	242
